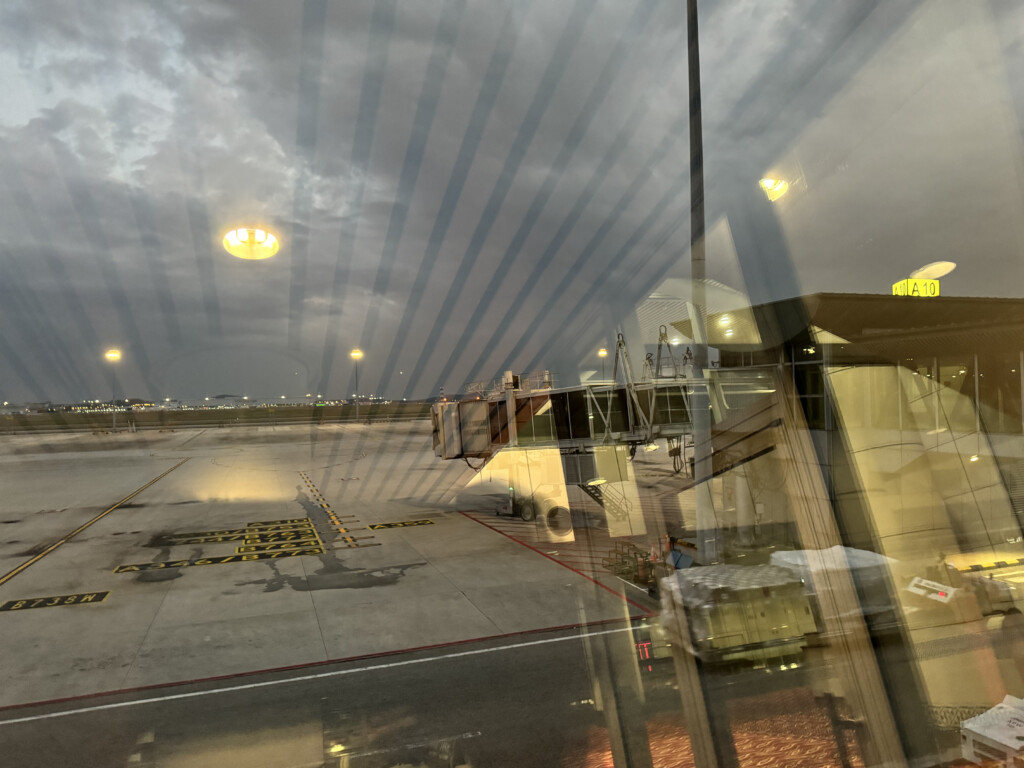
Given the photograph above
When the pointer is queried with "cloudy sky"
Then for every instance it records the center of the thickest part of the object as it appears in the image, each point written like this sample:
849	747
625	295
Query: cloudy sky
464	187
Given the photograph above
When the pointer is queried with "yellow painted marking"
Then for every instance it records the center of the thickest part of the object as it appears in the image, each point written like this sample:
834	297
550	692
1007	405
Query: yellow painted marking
11	574
250	529
53	602
280	522
277	546
137	567
974	568
402	524
269	537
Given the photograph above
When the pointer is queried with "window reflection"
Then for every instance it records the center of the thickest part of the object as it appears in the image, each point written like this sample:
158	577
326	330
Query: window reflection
740	486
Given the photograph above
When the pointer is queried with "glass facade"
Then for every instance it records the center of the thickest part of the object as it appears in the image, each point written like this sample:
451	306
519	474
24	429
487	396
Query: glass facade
563	384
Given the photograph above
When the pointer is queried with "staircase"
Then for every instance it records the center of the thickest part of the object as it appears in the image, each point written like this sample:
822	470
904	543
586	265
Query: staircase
610	499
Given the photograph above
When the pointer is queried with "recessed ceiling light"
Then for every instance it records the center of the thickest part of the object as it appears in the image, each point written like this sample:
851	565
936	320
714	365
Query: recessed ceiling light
933	271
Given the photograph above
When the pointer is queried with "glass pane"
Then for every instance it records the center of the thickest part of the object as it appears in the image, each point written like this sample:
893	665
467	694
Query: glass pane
567	383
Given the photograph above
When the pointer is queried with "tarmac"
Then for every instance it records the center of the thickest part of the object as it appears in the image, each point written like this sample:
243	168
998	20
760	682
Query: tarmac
138	559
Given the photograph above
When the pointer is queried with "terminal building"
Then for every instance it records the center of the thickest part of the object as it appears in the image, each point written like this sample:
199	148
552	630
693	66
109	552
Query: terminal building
858	526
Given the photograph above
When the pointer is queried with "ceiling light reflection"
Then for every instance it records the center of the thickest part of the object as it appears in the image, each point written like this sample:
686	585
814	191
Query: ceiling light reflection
774	188
251	244
933	271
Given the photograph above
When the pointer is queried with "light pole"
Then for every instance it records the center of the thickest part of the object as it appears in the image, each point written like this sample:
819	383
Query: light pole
602	353
113	356
357	355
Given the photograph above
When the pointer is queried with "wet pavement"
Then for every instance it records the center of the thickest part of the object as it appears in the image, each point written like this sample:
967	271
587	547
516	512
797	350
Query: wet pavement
227	551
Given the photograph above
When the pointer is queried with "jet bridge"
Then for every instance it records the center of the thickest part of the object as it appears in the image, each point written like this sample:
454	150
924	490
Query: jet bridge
529	411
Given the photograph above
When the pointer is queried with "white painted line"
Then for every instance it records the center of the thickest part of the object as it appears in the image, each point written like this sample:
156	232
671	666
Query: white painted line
306	678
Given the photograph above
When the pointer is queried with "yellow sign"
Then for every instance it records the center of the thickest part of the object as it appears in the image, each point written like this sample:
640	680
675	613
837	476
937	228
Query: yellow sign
52	602
916	287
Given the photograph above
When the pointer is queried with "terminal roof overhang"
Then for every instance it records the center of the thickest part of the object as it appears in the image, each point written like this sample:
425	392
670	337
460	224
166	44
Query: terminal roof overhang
875	326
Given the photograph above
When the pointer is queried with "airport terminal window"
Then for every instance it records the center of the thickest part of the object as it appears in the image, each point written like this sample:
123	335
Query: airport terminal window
472	385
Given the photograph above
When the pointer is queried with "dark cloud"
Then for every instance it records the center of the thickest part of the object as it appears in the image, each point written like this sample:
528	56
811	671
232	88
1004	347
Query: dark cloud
460	186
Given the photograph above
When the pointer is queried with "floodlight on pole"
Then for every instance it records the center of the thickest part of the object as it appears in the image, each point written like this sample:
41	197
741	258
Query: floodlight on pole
356	355
113	356
602	353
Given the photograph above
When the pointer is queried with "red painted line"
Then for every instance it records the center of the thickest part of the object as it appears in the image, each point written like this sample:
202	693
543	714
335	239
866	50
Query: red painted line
575	555
314	664
647	611
597	563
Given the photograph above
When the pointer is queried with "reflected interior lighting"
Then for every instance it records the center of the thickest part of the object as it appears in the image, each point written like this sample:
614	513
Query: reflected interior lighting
974	457
337	749
112	355
602	352
774	188
676	341
728	331
597	481
724	320
251	244
651	447
933	271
